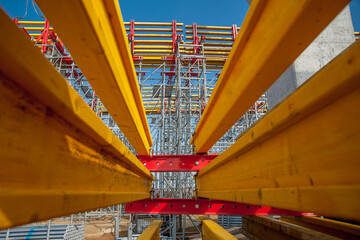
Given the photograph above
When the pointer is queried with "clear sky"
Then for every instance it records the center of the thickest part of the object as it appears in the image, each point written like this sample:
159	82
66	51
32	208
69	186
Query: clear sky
205	12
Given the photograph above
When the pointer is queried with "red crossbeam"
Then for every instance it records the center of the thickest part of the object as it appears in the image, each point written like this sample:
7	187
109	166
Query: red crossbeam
204	207
175	163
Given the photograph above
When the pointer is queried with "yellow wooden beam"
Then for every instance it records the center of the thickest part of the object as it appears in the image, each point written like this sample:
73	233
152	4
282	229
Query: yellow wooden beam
210	27
331	227
273	34
36	29
259	227
94	33
56	156
160	42
154	29
152	232
154	24
214	38
213	231
32	23
210	33
304	154
159	35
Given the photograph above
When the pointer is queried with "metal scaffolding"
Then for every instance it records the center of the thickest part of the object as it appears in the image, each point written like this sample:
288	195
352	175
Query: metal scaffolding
175	89
154	89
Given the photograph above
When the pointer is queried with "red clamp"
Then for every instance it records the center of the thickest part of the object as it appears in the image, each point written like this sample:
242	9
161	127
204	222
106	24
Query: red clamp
234	31
131	36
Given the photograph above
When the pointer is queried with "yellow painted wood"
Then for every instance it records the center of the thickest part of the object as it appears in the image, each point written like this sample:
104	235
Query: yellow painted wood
259	227
210	33
94	34
213	231
152	51
32	23
160	42
36	29
211	27
152	47
142	35
50	140
273	34
152	232
334	228
153	24
214	38
154	29
207	52
40	78
303	155
113	9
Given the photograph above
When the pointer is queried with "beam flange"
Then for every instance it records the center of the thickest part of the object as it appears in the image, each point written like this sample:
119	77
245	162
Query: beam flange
94	34
342	230
273	35
56	156
268	228
152	232
304	154
213	231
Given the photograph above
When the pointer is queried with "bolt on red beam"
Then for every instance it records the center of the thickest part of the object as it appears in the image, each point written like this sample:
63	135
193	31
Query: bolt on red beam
204	207
175	163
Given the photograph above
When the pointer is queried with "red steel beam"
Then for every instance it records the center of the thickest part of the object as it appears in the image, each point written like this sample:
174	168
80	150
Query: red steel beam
204	207
176	163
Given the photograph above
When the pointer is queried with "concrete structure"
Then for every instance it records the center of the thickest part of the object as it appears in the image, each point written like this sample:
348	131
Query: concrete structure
334	39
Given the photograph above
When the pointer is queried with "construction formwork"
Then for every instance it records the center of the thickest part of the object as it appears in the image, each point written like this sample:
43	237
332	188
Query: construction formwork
177	67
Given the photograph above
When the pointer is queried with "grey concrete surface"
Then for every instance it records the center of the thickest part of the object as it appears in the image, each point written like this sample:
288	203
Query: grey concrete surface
334	39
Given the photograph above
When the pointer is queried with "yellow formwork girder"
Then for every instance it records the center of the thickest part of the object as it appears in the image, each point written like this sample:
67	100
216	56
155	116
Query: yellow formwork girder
32	23
341	230
36	29
213	231
304	154
254	64
154	24
261	227
210	33
94	34
154	29
152	232
57	157
211	27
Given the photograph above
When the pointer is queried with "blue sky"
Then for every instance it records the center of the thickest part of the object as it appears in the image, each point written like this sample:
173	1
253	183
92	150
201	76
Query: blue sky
206	12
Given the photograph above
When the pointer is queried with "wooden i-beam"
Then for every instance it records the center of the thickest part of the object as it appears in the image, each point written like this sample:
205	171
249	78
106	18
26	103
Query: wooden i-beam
304	154
268	228
94	34
213	231
273	35
152	232
56	156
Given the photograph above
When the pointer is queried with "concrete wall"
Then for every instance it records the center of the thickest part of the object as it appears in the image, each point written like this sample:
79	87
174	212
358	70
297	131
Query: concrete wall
336	37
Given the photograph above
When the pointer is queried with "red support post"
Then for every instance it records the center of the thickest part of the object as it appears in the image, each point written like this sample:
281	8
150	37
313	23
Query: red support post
176	163
204	207
174	33
44	36
195	37
234	31
131	36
